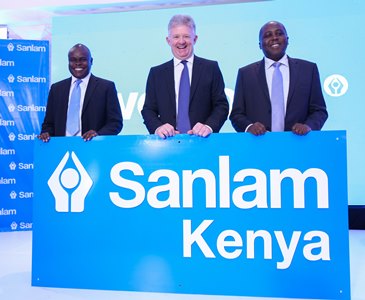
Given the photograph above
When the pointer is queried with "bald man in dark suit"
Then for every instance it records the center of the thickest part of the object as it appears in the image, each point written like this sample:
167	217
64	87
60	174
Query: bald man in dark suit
305	108
99	110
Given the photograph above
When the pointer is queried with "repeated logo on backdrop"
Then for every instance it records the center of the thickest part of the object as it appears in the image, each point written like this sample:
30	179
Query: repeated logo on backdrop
23	96
335	85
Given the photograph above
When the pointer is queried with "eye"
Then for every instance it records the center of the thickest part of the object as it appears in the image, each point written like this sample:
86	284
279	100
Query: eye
279	33
77	60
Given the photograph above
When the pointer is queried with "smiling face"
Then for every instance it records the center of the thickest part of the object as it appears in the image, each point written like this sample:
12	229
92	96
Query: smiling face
79	61
182	39
273	40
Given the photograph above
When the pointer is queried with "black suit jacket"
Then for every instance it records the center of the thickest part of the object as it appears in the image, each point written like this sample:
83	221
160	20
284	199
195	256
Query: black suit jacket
305	102
100	112
208	102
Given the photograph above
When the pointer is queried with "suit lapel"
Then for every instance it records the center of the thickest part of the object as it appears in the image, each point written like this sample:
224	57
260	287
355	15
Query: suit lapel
294	71
65	92
261	74
170	81
196	73
89	91
63	98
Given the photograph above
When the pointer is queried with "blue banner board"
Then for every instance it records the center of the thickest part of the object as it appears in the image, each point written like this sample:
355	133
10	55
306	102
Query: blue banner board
232	214
24	73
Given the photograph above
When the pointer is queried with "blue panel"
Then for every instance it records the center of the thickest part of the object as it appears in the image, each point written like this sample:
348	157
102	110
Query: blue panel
138	213
24	72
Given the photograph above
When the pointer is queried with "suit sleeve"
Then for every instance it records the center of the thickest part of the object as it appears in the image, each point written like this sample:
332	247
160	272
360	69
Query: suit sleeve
220	107
114	121
150	111
238	115
317	112
48	124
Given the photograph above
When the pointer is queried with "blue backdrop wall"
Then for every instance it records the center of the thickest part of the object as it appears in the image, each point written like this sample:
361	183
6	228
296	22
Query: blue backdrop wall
24	72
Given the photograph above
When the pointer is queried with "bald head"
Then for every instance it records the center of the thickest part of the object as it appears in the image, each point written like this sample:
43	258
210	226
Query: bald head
79	61
273	40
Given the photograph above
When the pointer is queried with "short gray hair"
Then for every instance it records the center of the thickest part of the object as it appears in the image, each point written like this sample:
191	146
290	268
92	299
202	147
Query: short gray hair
178	20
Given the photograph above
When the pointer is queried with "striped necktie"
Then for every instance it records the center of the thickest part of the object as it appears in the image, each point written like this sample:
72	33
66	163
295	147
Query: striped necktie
73	114
277	100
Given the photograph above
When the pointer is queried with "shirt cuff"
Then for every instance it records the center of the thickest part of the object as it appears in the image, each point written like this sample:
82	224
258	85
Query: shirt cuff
248	127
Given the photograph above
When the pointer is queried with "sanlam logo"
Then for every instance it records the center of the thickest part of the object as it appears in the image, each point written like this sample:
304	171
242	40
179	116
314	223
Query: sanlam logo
70	186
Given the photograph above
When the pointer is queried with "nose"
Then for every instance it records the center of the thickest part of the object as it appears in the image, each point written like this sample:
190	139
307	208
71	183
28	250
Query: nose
181	39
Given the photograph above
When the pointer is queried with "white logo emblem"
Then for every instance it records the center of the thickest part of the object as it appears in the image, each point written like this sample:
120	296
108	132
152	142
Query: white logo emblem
10	47
12	166
336	85
11	107
14	225
12	137
11	78
75	182
13	195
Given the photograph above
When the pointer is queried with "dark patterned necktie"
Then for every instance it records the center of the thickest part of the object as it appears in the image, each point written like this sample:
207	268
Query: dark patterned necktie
183	121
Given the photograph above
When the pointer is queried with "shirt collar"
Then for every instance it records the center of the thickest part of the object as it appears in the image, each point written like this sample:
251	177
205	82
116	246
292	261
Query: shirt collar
85	79
178	61
269	62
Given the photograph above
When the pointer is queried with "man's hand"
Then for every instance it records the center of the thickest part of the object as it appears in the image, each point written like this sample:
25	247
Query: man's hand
200	130
87	136
301	129
44	136
257	129
165	131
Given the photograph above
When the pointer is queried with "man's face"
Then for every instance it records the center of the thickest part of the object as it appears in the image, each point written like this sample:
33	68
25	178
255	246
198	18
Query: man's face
273	40
79	62
182	40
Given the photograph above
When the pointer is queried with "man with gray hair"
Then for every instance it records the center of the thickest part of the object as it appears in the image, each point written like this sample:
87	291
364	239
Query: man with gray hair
185	94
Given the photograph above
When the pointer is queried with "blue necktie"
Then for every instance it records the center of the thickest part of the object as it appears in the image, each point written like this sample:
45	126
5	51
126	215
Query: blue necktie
73	119
277	100
183	121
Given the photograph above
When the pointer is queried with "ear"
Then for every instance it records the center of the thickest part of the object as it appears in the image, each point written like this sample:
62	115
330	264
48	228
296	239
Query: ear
168	40
260	45
91	61
195	39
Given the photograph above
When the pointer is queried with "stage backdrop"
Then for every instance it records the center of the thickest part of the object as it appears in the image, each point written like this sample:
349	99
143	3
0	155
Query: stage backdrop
232	214
24	72
125	45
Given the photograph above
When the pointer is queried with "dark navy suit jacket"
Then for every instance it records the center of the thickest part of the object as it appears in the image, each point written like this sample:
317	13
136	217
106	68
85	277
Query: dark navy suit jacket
208	102
100	112
305	102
